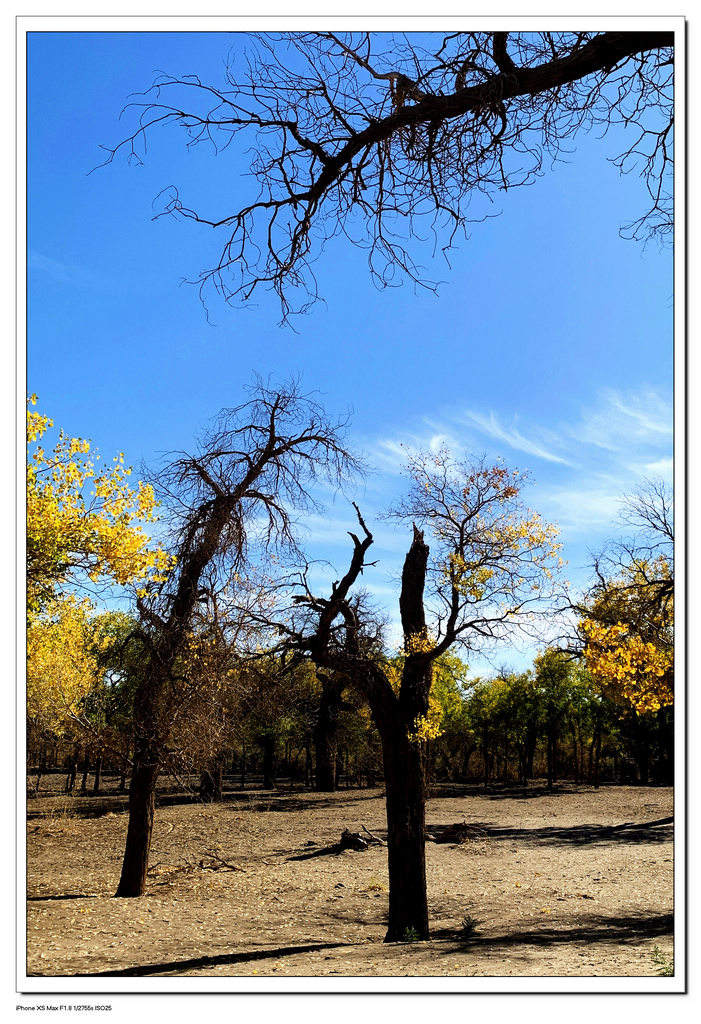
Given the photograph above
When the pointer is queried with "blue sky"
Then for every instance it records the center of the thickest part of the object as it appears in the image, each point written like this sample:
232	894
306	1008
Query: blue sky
550	343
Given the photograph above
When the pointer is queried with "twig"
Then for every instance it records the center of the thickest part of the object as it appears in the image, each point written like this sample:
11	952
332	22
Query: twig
376	838
222	862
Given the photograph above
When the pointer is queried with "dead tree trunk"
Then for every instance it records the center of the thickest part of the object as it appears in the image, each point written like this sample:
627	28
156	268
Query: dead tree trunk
405	782
406	855
397	719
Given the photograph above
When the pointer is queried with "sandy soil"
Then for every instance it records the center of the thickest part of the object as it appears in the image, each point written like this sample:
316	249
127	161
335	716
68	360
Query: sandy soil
576	883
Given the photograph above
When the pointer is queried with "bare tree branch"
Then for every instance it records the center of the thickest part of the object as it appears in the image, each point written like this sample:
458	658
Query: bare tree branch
374	135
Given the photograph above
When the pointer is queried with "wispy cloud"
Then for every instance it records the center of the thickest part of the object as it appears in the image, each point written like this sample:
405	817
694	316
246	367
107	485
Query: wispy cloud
64	273
584	511
619	439
583	466
541	444
620	421
392	454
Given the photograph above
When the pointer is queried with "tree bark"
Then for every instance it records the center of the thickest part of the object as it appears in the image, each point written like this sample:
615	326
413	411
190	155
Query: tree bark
406	855
142	803
148	747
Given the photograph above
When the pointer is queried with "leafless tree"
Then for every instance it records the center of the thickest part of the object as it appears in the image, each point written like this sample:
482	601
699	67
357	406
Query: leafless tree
391	138
250	475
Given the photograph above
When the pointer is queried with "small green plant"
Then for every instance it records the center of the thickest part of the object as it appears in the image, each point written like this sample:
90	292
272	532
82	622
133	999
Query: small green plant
411	935
665	967
469	926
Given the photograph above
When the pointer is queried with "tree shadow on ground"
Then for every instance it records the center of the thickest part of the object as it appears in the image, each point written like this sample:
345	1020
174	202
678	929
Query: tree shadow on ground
594	928
653	832
333	850
63	896
240	801
521	791
222	960
280	802
497	790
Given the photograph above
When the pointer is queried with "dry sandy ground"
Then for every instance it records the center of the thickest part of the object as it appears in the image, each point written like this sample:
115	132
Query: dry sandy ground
574	884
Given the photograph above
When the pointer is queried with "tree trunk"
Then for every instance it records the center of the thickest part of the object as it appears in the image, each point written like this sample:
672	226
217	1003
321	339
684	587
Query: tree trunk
666	723
325	733
268	744
531	744
597	757
582	752
71	777
466	760
98	774
142	802
308	763
406	856
148	747
212	783
575	758
551	761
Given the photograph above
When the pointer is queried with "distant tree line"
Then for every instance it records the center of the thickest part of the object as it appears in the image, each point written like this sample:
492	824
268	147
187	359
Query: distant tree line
492	731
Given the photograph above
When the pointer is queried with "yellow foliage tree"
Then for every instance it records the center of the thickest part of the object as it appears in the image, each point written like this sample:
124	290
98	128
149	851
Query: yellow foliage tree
629	669
83	520
61	667
65	644
628	638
